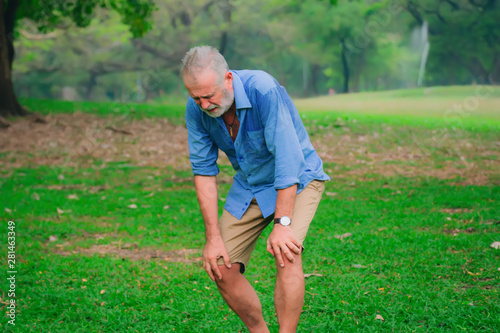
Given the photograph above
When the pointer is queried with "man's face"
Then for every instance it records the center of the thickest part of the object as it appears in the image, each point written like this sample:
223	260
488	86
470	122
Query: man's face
212	98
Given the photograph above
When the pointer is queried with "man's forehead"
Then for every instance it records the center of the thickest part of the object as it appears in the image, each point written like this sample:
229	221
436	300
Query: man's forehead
204	77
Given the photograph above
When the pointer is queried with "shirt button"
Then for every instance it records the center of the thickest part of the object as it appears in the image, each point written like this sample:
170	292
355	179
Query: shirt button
246	203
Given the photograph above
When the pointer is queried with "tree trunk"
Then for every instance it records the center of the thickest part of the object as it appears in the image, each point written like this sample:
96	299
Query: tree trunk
9	106
10	21
494	77
345	64
90	87
226	13
315	72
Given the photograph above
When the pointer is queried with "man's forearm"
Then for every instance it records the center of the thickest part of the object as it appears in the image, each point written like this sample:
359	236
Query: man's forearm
206	191
285	201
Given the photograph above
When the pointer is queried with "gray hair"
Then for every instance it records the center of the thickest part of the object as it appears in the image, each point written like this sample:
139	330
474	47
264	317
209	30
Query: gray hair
201	58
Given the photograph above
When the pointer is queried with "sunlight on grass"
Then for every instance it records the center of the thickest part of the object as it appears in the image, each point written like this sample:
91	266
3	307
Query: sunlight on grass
465	102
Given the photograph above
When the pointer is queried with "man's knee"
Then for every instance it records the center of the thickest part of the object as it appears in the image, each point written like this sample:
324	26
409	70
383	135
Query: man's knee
291	270
228	275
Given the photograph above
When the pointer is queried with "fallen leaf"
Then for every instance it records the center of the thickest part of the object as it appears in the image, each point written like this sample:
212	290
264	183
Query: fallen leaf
52	238
7	210
84	280
495	245
132	206
72	197
358	266
103	291
60	211
35	196
150	195
341	237
60	177
379	317
166	207
331	194
312	274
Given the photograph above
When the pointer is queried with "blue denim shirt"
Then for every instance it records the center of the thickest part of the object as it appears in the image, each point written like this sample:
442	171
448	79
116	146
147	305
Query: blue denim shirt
272	149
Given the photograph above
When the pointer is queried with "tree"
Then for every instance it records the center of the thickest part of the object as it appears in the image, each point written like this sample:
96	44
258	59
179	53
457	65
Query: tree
48	14
104	61
463	35
340	38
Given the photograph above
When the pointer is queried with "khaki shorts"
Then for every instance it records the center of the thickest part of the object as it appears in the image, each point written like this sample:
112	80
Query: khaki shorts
240	236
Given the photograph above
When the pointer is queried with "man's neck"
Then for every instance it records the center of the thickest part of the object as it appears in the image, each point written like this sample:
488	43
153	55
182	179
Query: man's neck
229	115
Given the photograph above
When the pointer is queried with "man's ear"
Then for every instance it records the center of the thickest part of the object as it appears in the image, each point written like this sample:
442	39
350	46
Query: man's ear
228	78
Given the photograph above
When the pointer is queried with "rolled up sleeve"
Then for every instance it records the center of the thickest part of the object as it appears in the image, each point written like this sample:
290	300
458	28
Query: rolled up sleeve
281	138
203	152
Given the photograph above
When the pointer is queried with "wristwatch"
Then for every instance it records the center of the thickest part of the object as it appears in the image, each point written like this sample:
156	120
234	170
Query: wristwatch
284	221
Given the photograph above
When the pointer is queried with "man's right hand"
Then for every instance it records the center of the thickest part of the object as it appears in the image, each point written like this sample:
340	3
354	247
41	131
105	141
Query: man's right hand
214	249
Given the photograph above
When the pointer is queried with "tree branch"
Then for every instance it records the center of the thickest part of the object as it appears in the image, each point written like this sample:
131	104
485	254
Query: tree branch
29	35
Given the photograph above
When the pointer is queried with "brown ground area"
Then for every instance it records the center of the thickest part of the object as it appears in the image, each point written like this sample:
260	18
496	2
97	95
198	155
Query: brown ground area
134	253
81	139
78	139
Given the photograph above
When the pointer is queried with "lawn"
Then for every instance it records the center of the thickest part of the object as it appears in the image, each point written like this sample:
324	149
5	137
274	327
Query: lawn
109	235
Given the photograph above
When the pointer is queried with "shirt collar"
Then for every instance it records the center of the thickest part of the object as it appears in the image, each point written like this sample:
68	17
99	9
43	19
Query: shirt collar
240	95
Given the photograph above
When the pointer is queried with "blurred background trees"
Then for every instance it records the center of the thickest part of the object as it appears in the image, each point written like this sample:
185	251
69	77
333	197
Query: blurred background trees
43	16
312	47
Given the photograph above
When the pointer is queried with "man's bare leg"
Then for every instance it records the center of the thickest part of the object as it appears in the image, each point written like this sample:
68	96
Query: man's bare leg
242	298
289	294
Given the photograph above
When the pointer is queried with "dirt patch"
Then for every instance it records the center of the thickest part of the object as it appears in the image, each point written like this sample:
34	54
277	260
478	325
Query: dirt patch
455	232
81	139
428	154
455	210
134	253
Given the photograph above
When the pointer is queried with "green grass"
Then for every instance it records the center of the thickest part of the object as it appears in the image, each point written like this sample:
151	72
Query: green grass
419	254
413	273
118	108
461	106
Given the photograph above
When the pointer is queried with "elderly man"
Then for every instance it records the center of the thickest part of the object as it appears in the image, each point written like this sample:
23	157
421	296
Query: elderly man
279	177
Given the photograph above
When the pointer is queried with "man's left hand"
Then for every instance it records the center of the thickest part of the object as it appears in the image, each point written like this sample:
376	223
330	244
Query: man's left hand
282	243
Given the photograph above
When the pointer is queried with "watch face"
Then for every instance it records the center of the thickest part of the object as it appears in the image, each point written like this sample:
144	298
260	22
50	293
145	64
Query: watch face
285	220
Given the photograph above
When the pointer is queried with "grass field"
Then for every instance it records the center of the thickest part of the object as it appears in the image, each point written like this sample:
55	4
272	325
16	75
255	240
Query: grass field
109	234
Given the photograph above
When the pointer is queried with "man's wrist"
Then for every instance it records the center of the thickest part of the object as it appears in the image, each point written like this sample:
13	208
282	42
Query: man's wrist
284	221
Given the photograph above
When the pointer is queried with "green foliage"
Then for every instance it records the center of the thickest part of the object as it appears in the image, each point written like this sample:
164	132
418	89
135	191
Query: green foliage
48	14
298	42
464	40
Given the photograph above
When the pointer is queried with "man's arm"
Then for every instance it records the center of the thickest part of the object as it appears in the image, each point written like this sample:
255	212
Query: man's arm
281	241
206	191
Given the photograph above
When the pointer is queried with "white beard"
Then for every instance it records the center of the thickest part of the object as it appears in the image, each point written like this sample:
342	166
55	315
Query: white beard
227	101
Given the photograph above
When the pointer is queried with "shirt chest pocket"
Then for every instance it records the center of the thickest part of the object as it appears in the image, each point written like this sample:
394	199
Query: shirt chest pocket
255	144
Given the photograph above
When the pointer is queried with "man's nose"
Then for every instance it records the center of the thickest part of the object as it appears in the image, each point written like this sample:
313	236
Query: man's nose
204	103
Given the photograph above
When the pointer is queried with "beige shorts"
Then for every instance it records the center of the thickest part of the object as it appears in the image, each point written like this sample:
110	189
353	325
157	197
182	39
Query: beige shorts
240	236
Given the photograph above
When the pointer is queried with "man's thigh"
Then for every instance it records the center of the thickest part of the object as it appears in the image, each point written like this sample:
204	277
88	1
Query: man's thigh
306	203
240	236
